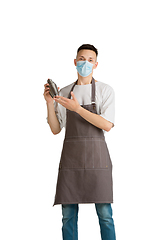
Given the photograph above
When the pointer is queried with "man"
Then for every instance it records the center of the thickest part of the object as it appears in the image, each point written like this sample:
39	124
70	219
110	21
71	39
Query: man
86	109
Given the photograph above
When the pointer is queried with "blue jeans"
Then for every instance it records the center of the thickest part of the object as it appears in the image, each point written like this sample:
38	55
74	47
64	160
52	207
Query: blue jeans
70	219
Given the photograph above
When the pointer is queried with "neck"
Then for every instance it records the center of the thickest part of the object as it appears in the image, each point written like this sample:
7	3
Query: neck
84	80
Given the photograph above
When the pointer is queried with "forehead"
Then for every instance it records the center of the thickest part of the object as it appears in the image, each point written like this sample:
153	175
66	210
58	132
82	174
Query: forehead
87	53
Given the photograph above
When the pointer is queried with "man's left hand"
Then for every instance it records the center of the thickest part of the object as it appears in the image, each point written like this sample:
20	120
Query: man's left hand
70	104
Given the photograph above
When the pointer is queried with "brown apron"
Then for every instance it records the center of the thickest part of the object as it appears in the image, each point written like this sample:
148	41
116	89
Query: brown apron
85	169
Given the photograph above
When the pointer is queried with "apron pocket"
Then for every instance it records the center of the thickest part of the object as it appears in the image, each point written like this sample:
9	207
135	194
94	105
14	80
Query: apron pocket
105	156
73	154
97	155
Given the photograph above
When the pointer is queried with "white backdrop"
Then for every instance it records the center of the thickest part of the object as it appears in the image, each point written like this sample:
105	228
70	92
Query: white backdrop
39	40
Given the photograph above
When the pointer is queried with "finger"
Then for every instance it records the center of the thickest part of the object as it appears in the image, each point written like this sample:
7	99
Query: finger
46	84
59	100
62	102
63	98
46	90
46	93
73	95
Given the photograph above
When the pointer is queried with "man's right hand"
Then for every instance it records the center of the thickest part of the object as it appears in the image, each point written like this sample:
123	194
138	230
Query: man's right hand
52	118
47	95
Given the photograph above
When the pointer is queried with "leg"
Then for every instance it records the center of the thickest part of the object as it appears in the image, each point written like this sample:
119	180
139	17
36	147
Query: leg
69	220
104	212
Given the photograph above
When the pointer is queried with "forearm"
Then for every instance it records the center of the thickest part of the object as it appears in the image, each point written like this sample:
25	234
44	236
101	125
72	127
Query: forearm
52	118
95	119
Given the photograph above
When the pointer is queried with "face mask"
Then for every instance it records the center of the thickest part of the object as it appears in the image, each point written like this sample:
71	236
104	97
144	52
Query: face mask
84	68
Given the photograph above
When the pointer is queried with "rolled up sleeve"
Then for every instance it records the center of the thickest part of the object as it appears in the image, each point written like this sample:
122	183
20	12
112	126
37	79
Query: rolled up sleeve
58	114
108	105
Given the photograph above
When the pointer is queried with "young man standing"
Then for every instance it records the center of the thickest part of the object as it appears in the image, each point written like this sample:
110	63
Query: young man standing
86	109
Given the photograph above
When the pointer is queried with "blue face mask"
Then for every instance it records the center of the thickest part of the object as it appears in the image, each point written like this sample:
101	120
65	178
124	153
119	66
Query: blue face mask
84	68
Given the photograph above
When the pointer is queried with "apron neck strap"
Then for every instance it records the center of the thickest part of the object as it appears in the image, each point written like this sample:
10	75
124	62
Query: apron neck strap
93	90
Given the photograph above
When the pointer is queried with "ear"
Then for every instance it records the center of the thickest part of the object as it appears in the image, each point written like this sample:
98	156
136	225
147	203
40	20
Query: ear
75	62
95	65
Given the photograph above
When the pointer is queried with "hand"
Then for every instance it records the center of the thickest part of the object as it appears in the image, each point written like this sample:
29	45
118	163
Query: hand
46	93
70	104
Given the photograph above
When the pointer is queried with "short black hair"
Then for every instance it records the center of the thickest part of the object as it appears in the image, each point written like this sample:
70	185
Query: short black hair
89	47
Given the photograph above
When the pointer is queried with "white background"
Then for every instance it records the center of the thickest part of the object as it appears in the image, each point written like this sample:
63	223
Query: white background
39	40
